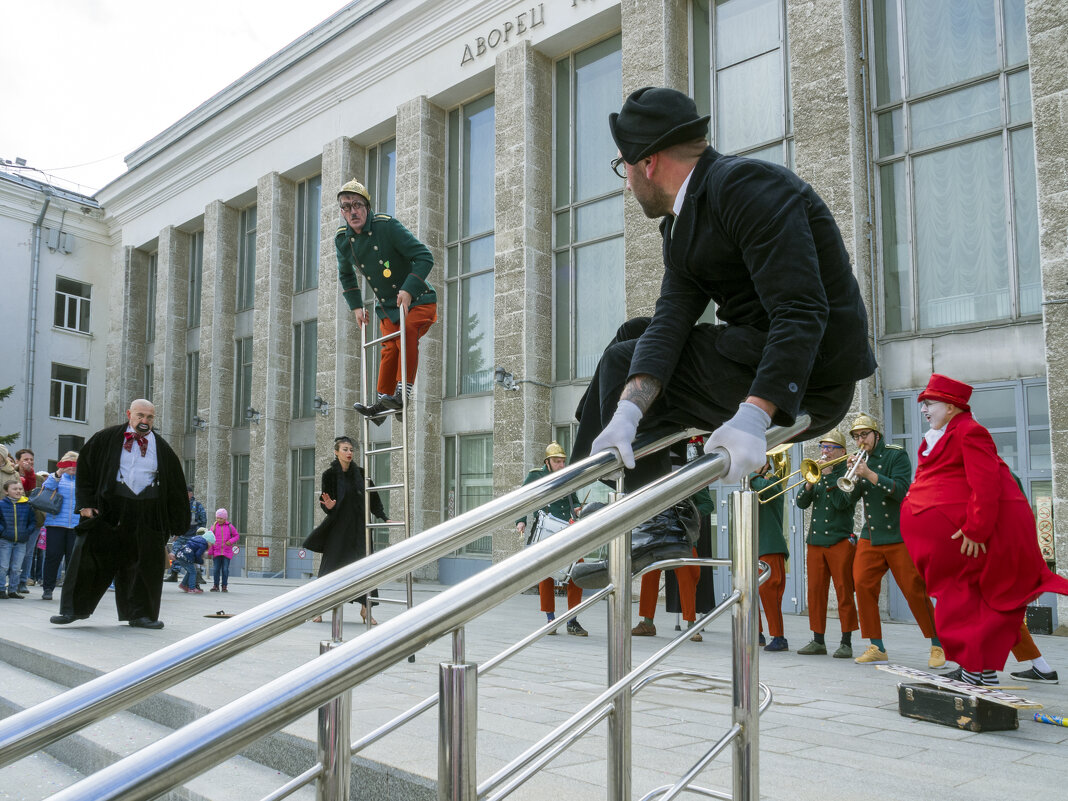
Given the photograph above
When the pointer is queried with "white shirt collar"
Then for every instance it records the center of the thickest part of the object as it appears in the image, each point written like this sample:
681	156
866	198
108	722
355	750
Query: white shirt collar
931	437
677	208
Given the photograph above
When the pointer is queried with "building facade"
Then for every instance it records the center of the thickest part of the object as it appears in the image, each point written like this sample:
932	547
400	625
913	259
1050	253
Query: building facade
935	131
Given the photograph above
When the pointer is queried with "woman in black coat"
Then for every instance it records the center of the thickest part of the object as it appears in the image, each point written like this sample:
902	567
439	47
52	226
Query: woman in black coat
341	537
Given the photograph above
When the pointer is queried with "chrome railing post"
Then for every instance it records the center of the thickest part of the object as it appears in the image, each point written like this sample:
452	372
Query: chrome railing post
335	718
457	725
745	673
619	665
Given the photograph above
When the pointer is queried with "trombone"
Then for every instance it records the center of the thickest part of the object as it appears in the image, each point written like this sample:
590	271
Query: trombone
847	482
810	471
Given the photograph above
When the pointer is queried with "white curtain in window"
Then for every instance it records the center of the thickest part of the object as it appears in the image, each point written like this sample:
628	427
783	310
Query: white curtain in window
598	276
949	41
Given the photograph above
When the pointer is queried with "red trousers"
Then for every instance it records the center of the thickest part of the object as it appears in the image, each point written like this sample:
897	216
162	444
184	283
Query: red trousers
547	594
772	591
416	323
833	563
686	576
870	564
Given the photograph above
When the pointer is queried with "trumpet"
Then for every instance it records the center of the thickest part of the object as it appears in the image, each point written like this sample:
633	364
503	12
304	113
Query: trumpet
810	471
847	482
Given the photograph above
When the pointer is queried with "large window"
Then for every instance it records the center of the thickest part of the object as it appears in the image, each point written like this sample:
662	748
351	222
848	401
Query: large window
303	497
239	491
150	299
306	269
305	365
958	214
246	260
588	210
469	254
741	76
70	386
192	389
242	381
196	276
382	176
469	481
72	304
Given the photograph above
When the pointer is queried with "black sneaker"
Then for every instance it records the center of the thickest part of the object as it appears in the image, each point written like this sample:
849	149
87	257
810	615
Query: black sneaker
777	644
956	674
1034	674
575	628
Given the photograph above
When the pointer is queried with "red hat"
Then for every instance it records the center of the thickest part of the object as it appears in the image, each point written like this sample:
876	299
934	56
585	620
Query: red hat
948	390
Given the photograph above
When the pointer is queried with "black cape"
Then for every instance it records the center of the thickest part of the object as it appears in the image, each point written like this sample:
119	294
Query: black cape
341	537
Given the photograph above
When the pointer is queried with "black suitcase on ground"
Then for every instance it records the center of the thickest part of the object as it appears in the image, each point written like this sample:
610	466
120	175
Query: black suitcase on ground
949	708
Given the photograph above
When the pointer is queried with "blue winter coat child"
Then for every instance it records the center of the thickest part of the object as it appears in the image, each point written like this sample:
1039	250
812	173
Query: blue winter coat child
194	548
17	520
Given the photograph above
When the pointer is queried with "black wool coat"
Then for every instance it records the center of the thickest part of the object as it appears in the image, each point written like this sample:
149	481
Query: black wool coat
341	538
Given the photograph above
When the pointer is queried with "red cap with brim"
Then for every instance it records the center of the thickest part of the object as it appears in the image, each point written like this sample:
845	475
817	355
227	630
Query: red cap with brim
948	390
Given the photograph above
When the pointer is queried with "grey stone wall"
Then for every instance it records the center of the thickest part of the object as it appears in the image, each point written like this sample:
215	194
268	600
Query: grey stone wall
421	207
655	53
272	371
215	393
1047	33
172	316
522	270
128	305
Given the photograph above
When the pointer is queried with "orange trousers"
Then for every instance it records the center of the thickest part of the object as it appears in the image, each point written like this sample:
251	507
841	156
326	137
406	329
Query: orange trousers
827	564
547	594
416	323
870	564
686	576
772	591
1025	649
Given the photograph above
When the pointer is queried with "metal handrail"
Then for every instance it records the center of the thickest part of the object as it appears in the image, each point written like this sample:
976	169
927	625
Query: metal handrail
31	730
223	733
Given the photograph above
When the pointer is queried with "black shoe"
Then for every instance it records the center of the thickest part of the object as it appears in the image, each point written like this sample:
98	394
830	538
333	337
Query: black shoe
1034	674
146	623
376	411
4	596
171	578
777	644
14	596
762	642
62	620
574	627
46	595
664	536
955	675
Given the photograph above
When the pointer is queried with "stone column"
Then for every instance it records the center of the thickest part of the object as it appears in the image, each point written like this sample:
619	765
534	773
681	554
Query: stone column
338	377
215	394
128	302
421	207
655	53
1047	29
272	367
172	310
522	278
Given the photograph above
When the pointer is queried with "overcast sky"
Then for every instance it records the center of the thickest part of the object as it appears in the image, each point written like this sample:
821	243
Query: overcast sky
86	82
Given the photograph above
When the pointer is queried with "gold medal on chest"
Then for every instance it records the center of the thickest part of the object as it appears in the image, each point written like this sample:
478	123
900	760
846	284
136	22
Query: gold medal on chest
386	272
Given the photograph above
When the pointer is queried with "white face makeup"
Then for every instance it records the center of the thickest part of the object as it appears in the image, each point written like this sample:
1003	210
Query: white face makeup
936	413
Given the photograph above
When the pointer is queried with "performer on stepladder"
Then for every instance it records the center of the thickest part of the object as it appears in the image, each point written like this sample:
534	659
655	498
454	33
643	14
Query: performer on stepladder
396	266
881	479
757	241
564	510
971	532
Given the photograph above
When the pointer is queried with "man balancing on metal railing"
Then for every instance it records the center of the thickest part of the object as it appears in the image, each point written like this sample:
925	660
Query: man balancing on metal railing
759	242
395	265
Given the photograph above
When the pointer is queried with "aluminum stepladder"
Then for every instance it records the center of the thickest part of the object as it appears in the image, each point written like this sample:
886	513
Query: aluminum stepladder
368	354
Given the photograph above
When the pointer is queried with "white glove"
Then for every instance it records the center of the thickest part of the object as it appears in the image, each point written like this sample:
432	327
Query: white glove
743	439
620	432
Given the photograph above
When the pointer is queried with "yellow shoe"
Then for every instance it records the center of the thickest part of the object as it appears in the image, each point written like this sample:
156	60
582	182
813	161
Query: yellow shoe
938	657
873	656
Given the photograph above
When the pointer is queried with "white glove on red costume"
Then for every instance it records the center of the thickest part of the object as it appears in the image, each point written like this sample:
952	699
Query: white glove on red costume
743	440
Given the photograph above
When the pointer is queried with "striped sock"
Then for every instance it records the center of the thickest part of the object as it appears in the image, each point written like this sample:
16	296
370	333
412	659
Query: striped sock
971	678
990	678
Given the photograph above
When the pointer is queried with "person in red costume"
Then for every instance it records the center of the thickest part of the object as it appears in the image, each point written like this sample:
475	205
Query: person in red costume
970	530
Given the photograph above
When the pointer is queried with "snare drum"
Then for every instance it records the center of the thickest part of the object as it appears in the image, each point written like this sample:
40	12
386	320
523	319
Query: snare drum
545	525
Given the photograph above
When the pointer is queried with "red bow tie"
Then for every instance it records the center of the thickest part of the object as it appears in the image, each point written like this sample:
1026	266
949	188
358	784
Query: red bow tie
141	439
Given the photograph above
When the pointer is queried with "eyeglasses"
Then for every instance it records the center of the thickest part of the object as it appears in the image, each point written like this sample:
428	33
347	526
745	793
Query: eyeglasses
619	167
829	446
927	404
347	207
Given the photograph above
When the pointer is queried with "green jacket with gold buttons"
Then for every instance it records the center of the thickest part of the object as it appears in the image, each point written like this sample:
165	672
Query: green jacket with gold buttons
832	509
770	519
391	259
882	500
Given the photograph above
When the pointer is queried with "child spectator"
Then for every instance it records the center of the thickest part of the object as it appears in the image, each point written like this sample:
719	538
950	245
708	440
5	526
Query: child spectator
191	555
16	527
222	551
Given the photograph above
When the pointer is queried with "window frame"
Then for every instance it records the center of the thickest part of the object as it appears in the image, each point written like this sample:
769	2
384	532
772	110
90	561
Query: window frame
307	235
245	290
452	460
303	392
242	380
196	278
70	393
68	306
302	495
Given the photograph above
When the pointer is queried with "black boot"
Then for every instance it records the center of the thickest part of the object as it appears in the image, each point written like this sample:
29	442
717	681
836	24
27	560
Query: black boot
668	535
378	410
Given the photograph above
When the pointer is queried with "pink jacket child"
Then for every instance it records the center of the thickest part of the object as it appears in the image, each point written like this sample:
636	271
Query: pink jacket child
226	536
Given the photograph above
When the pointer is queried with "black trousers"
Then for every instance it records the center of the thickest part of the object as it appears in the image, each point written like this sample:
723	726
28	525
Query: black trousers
703	393
59	546
127	549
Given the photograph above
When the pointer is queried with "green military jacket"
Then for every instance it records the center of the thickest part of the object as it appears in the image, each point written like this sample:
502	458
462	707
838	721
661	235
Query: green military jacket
391	259
832	509
882	500
772	540
563	508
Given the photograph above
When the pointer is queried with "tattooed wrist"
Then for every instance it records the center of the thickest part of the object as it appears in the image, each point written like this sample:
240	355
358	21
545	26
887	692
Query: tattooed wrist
641	390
